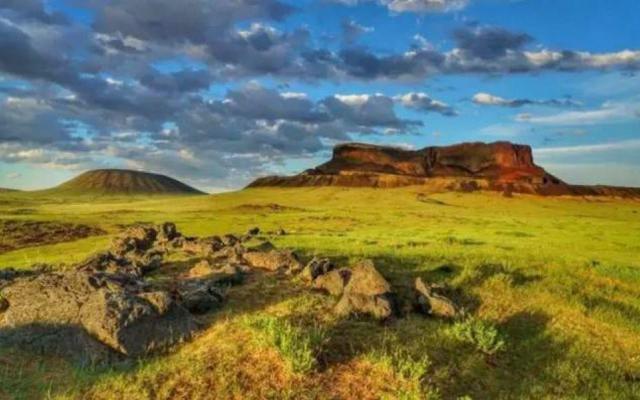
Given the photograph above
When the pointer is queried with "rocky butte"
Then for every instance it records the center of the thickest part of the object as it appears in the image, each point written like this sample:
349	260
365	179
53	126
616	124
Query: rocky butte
498	166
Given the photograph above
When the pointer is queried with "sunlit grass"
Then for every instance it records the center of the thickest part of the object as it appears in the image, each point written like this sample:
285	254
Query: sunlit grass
557	277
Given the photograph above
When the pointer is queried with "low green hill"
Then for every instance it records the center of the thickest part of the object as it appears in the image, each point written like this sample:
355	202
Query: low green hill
120	181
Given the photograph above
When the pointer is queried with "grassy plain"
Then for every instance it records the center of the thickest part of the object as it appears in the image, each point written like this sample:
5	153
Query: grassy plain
552	287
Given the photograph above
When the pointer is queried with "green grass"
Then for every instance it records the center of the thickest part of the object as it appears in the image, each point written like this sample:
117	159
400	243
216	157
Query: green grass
483	335
299	346
557	277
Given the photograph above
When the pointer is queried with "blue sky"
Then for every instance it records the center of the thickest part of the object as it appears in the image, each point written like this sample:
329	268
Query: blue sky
219	92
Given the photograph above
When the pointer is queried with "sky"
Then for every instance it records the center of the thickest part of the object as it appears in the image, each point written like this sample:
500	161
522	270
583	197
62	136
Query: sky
219	92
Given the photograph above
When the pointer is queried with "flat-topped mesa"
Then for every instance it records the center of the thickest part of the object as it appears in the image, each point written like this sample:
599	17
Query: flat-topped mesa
502	162
499	166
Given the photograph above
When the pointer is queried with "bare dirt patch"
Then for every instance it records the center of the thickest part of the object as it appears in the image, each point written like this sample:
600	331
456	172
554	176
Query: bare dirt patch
17	234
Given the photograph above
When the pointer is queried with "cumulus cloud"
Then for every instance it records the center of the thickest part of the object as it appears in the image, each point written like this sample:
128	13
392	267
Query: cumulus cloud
608	113
415	6
84	94
351	30
422	102
34	10
486	99
633	144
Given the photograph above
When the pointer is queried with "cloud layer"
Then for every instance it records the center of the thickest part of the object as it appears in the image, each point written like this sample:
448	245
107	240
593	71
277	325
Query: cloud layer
135	87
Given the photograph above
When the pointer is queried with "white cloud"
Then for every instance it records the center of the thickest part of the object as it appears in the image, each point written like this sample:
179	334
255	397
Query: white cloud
355	99
416	6
631	144
488	99
423	102
14	175
608	113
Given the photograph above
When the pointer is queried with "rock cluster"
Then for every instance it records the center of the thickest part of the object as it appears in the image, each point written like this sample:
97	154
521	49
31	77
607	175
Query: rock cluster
105	308
363	290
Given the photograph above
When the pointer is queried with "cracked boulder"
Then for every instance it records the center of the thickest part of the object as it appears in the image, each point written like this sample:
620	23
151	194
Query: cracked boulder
91	317
274	260
367	292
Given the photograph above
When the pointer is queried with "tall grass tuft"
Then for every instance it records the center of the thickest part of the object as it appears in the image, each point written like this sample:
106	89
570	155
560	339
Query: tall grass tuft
298	346
483	335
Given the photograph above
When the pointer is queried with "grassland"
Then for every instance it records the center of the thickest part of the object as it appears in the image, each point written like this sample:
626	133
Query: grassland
552	287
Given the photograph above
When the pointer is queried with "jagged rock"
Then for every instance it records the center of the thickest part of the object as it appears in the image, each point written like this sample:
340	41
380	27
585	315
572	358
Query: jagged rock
93	308
222	275
168	232
229	240
135	325
204	246
333	282
429	302
367	293
134	264
229	254
274	260
315	268
200	296
138	238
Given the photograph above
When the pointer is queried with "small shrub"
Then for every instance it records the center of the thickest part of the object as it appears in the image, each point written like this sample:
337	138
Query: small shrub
409	367
298	346
403	363
483	335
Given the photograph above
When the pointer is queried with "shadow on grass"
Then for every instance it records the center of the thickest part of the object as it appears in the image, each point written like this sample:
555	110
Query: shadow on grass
525	370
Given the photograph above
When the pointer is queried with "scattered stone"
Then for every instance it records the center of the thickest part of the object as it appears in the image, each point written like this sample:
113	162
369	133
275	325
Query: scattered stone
135	265
222	275
168	232
204	247
200	296
367	293
253	231
281	232
333	282
430	302
315	268
274	260
229	240
229	254
138	239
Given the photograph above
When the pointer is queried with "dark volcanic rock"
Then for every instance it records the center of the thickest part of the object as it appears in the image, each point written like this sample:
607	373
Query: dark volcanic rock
498	166
367	293
135	325
315	268
96	309
227	274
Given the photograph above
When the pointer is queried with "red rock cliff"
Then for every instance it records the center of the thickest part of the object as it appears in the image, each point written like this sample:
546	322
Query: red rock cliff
500	166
